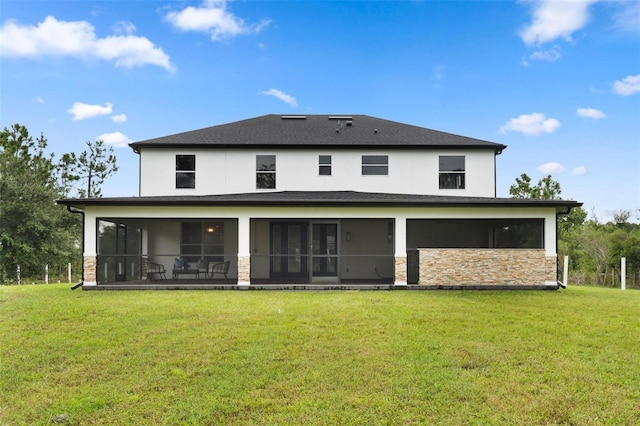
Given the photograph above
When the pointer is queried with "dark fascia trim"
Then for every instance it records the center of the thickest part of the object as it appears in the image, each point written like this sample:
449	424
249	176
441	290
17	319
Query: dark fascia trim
561	206
136	148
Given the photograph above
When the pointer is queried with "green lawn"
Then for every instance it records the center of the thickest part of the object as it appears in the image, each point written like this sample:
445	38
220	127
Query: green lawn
282	358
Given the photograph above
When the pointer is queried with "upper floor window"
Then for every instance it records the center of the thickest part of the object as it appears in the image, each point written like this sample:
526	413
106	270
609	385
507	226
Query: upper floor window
451	171
375	165
265	171
185	171
324	164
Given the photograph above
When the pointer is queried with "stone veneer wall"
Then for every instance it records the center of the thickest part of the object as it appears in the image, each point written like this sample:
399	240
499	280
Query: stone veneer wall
90	266
486	267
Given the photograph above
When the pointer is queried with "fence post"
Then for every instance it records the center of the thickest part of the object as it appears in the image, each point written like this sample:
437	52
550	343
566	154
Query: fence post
69	272
565	272
46	273
623	273
18	274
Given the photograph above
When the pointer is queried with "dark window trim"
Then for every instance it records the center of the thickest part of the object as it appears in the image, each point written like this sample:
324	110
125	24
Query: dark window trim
452	177
375	165
324	165
266	176
185	173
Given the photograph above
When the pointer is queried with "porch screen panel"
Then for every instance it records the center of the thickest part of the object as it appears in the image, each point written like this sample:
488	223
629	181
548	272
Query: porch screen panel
119	251
289	252
202	241
295	248
276	248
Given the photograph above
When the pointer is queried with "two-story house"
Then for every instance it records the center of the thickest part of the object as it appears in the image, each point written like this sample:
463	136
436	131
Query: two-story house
299	200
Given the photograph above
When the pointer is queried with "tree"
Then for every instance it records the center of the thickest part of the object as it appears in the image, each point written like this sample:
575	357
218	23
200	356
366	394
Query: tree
621	217
91	168
546	188
33	229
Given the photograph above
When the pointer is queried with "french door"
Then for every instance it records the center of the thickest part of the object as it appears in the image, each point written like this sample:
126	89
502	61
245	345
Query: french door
324	252
304	251
289	250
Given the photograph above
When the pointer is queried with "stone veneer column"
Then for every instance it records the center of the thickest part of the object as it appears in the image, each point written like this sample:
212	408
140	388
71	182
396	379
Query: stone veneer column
90	273
244	270
401	270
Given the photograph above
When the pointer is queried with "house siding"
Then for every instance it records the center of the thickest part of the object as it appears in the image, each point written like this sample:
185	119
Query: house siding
485	267
229	171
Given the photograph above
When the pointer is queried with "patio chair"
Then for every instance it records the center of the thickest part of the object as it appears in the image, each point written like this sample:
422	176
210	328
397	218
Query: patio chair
155	269
219	268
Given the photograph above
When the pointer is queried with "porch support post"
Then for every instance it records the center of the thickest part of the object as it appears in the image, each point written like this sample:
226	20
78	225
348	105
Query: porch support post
89	255
244	250
90	270
551	249
400	250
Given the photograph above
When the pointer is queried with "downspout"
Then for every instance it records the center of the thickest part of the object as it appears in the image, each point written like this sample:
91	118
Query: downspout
81	282
560	283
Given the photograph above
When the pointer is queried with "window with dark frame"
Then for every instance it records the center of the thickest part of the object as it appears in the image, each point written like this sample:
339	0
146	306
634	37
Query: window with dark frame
324	165
202	241
375	165
452	171
185	171
265	171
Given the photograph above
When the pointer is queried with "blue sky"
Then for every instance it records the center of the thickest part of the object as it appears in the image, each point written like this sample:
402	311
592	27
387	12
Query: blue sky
556	81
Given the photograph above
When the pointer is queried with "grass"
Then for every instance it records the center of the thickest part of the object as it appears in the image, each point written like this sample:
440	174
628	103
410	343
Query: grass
281	358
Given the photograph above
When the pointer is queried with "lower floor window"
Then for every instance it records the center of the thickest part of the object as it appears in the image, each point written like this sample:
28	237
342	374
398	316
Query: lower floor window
202	241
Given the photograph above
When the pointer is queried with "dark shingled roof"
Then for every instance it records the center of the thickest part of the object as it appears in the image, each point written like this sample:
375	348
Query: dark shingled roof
320	199
296	131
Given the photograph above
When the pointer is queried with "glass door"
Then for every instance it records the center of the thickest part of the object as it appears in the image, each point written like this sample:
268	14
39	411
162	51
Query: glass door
289	250
324	252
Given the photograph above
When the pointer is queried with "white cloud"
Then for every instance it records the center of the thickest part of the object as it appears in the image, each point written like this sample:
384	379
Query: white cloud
548	55
213	17
550	168
595	114
77	39
124	27
578	171
286	98
627	18
553	19
115	139
82	111
38	99
627	86
120	118
530	124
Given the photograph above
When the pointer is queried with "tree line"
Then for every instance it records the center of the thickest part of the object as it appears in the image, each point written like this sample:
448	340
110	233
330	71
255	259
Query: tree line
594	248
34	230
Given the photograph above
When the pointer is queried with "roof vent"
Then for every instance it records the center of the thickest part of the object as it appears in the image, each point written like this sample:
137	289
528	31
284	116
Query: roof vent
294	117
340	117
349	123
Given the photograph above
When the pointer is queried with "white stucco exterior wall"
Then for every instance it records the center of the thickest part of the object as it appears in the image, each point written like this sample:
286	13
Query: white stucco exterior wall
231	171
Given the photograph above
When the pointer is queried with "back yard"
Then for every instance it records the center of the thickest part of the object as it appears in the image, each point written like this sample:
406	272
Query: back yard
280	358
